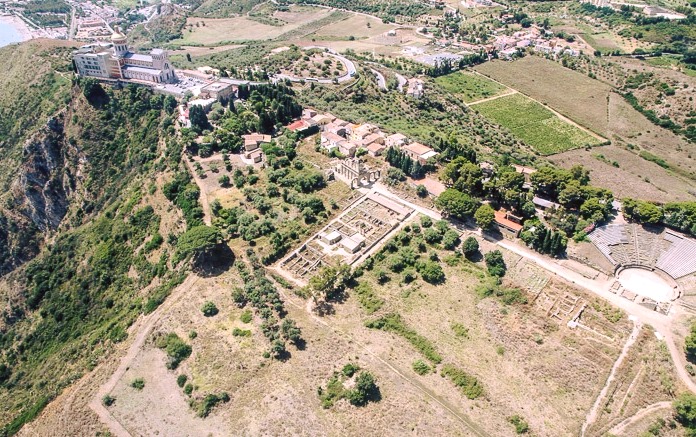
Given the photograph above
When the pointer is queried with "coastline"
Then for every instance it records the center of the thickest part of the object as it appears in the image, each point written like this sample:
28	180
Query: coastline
20	26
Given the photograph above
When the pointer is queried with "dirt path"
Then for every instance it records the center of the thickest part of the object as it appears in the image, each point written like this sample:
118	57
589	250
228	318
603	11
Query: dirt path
509	92
592	414
148	323
556	113
621	427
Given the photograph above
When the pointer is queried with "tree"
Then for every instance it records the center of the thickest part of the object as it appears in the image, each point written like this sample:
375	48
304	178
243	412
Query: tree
470	247
421	191
365	390
456	204
224	181
495	263
198	242
450	240
690	344
484	216
330	281
199	121
685	411
290	331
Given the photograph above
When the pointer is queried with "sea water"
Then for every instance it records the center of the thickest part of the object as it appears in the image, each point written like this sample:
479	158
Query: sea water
8	34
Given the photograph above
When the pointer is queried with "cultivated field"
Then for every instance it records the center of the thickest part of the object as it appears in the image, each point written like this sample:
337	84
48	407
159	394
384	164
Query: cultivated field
534	124
593	105
469	87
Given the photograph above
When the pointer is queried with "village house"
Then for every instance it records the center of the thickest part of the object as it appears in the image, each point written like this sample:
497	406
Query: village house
544	204
322	120
360	132
375	149
219	91
330	140
419	152
253	142
396	140
507	224
336	128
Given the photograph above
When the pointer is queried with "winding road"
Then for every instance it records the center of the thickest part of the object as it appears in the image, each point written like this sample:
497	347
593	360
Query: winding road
350	70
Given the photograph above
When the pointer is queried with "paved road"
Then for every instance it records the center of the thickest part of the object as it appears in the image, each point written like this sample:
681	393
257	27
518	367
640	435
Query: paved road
380	79
402	81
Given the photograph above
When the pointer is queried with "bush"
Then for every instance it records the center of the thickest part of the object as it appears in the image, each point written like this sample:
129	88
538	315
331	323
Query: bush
460	330
236	332
209	309
468	384
394	323
108	400
176	349
521	426
181	380
431	272
432	236
188	389
420	367
138	383
350	369
246	316
426	221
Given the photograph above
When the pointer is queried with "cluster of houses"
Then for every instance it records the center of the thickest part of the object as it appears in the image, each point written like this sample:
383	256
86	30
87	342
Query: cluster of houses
534	38
347	138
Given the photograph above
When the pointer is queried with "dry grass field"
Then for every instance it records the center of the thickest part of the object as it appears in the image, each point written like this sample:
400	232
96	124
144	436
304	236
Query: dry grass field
217	30
635	177
358	26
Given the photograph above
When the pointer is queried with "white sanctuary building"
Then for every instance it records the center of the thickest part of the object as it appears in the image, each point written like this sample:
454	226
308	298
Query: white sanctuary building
115	61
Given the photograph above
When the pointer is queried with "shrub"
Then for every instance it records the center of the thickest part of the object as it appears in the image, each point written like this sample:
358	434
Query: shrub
426	221
394	323
181	380
350	369
176	349
209	402
188	389
450	240
138	383
192	335
236	332
468	384
431	272
108	400
209	309
420	367
246	316
460	330
521	426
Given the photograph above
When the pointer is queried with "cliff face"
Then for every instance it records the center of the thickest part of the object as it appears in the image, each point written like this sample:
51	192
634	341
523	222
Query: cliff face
45	180
40	194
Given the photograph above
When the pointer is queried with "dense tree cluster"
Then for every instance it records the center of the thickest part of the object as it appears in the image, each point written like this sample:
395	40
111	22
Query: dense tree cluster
398	159
543	239
262	295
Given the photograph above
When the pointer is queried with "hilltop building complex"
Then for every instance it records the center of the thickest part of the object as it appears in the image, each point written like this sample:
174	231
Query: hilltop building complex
114	60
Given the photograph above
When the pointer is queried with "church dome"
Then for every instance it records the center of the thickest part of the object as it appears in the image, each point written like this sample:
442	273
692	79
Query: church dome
118	36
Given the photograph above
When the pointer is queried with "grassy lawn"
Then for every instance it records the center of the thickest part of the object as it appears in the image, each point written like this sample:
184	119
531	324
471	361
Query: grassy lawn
534	124
469	87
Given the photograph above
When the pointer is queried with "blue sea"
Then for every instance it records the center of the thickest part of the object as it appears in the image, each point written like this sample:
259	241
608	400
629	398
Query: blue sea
8	34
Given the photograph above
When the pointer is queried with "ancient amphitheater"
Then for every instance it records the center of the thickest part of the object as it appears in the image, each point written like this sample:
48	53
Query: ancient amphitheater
653	266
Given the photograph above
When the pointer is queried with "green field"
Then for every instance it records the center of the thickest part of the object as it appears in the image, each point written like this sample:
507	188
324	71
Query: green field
469	87
534	124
